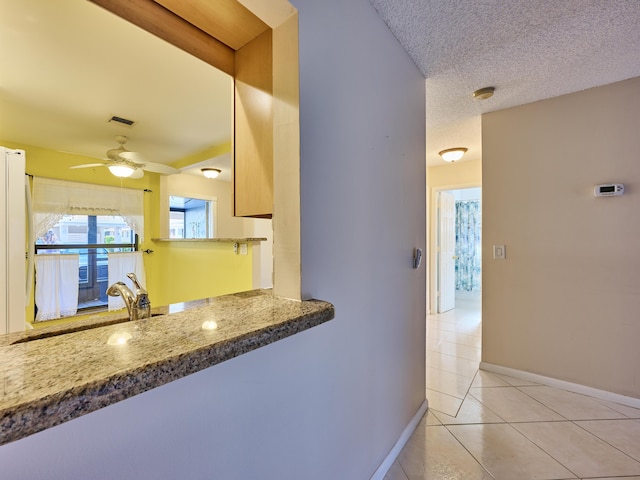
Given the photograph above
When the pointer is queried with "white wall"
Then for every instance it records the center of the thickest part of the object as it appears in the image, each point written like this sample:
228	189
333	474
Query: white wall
565	302
263	266
328	403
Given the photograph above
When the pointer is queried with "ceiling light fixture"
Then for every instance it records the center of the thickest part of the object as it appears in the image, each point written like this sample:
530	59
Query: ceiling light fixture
122	171
210	172
484	93
452	154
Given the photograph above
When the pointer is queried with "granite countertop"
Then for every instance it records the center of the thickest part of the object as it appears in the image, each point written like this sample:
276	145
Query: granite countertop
48	377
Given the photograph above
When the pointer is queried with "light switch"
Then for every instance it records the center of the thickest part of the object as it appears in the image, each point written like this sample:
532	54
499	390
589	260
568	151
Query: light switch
243	249
499	252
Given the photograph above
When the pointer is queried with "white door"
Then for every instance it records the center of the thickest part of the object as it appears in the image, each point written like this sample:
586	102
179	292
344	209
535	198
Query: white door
446	252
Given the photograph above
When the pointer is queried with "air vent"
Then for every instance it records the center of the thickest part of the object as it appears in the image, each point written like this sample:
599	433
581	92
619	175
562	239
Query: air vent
122	121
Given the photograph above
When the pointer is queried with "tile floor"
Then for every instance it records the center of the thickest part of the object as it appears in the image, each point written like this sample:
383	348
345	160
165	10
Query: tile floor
483	426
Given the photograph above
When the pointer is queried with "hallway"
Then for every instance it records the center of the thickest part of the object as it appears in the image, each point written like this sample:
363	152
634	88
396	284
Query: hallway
483	426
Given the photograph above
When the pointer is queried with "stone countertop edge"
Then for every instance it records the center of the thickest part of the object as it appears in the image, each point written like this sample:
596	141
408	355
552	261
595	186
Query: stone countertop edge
224	240
72	393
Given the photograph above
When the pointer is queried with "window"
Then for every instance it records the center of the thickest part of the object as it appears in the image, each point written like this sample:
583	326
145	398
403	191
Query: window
190	218
99	231
69	215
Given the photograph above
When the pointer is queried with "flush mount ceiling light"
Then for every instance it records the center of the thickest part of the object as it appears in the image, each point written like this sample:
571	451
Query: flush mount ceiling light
122	171
452	154
484	93
210	172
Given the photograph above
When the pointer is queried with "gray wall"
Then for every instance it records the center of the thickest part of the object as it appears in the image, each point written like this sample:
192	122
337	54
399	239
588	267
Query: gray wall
328	403
363	187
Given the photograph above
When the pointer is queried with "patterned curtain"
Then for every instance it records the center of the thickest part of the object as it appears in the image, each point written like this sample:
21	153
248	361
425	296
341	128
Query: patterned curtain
468	245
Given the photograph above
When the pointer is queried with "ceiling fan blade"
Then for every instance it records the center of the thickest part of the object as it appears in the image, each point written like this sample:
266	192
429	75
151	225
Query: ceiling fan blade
136	160
89	165
159	168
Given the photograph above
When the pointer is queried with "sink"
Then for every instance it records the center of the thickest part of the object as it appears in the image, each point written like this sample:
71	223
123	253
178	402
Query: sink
39	335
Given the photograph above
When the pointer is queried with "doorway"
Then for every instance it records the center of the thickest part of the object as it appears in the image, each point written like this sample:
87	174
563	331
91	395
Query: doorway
454	326
458	261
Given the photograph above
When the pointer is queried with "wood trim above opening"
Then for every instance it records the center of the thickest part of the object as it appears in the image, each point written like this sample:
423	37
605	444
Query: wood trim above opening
159	21
227	20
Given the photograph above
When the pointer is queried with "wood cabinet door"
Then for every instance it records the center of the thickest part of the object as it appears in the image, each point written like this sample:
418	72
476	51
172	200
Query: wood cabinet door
253	129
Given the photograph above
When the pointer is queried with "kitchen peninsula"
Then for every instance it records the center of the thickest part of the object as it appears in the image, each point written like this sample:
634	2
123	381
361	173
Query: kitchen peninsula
48	380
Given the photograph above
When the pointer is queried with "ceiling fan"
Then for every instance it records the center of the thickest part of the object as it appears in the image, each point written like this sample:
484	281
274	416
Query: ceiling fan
123	163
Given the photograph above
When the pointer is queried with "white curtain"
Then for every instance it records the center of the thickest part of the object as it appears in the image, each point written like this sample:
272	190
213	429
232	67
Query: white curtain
52	199
56	285
119	265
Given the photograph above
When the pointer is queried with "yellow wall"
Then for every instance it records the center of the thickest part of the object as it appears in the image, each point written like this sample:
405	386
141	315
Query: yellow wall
449	176
565	302
175	272
193	270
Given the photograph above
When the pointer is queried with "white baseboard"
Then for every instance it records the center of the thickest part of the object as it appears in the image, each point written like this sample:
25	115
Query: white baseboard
404	438
554	382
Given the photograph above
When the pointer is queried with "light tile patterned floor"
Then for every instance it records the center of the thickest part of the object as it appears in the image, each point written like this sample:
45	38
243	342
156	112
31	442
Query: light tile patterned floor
483	426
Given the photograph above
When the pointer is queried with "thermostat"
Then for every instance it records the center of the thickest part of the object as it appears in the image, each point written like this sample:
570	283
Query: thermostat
608	190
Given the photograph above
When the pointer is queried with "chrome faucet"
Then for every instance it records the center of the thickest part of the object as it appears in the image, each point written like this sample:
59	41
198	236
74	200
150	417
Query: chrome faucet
138	304
141	303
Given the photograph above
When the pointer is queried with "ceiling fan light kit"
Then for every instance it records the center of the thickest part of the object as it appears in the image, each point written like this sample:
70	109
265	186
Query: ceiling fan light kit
210	172
452	154
122	171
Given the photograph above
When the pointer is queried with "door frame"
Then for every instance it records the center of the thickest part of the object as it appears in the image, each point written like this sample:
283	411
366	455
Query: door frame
432	306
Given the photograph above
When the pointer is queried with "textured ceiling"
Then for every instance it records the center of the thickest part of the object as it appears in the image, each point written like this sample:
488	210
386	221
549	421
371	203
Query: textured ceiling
528	49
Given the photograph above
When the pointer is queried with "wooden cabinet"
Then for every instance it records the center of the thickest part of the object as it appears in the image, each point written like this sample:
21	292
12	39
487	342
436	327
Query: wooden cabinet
250	41
253	128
